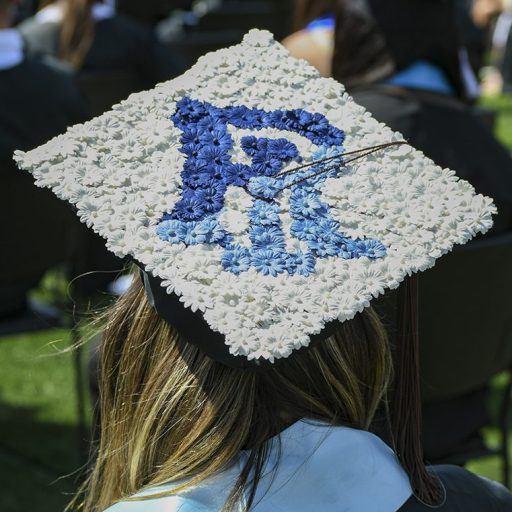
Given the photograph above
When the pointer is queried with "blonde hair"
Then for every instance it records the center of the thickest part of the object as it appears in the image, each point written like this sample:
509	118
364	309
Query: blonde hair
170	413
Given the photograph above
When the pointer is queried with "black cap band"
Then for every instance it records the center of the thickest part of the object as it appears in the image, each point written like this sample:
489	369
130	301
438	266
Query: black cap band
195	330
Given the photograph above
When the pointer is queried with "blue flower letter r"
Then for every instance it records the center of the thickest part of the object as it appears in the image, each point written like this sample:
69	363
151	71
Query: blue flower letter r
209	170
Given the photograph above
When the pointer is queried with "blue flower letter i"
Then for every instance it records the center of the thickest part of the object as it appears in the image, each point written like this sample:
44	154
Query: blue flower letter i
209	170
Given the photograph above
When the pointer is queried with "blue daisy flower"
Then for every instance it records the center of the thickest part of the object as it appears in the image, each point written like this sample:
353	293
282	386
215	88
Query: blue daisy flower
193	181
299	262
374	249
211	155
305	118
206	124
189	209
304	230
329	237
219	138
191	110
237	174
249	144
189	194
285	118
267	237
190	136
196	107
196	233
236	259
305	203
247	173
204	179
327	228
191	150
323	249
215	233
347	248
264	187
299	180
172	231
219	115
243	117
264	214
192	166
268	262
211	197
283	149
266	165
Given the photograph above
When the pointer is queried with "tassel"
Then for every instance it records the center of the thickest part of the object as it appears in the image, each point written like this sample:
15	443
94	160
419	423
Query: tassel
406	407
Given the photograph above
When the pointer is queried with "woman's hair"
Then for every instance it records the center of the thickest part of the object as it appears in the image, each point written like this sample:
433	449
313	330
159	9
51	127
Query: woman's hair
170	413
361	54
77	32
308	10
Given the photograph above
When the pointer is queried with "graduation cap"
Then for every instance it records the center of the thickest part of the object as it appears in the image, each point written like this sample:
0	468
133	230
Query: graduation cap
262	203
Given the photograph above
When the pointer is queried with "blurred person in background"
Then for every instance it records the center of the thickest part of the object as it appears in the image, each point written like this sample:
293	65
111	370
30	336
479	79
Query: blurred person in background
474	37
502	49
89	35
484	11
113	56
314	37
482	27
36	103
315	27
401	61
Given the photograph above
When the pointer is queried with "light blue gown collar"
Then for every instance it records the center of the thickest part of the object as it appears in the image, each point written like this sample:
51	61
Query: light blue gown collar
423	75
320	468
11	48
326	22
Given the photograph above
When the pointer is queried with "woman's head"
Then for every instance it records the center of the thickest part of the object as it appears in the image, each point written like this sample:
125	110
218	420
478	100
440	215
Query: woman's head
171	413
374	39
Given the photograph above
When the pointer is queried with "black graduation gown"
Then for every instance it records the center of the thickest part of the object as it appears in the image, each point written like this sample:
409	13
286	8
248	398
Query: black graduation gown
465	492
120	43
36	103
448	132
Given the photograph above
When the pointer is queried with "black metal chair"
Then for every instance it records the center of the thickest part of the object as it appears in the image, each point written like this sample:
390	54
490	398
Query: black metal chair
77	256
465	330
35	227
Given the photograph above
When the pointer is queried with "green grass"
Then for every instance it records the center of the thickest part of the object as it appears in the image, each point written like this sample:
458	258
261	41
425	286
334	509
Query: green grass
503	106
39	438
489	467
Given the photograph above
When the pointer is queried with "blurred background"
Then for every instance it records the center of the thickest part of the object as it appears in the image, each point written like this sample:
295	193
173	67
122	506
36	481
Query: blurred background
439	71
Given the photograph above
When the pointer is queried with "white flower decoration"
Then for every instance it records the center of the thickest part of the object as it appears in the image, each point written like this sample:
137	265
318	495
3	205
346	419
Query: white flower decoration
124	171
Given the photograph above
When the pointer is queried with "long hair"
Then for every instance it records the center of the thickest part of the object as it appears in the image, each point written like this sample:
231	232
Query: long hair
361	54
170	413
77	32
